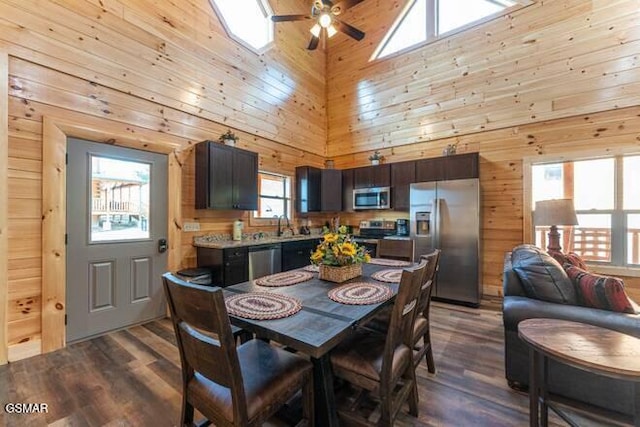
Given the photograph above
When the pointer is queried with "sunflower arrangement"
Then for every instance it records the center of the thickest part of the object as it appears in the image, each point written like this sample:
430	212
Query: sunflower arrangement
339	249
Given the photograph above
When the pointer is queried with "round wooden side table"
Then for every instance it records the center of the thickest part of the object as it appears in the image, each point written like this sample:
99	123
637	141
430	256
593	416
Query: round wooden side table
587	347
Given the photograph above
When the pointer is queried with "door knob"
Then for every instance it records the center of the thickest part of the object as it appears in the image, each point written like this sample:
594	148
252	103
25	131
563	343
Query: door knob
162	245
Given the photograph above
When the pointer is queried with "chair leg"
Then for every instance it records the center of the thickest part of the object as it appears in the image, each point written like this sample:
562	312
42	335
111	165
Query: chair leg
186	418
413	394
431	366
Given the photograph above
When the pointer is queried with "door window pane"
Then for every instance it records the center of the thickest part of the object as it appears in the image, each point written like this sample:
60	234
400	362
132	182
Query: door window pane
633	239
593	183
631	187
592	238
119	199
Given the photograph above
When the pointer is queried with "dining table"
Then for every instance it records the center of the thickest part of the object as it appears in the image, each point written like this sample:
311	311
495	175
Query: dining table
319	326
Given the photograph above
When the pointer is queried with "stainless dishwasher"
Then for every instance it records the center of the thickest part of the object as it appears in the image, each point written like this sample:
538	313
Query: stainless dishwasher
264	260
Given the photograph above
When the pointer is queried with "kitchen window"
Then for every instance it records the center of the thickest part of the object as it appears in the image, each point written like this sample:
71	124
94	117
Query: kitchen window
606	197
274	196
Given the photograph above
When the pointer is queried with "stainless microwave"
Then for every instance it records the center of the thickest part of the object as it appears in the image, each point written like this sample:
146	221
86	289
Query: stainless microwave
372	198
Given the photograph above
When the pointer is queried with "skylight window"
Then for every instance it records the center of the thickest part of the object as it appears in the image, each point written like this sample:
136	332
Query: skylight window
246	21
423	20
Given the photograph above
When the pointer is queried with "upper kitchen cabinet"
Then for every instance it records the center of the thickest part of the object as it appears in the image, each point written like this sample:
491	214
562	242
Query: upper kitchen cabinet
317	190
226	177
347	190
372	176
403	174
461	166
458	166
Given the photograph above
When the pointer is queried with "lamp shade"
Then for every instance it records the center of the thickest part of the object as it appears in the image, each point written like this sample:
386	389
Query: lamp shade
555	212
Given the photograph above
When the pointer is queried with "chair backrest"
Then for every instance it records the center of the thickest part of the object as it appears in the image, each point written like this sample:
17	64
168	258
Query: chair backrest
204	337
431	272
403	315
395	249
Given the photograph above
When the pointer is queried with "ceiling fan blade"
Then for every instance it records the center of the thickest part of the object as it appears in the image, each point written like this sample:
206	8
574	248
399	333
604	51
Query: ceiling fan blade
284	18
349	30
344	5
313	44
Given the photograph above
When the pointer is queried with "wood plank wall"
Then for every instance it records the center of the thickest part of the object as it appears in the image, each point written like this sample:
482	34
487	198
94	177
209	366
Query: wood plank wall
558	76
142	68
4	210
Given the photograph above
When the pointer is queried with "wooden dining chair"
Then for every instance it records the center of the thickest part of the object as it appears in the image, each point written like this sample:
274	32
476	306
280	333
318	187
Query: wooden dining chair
399	249
230	385
421	330
383	364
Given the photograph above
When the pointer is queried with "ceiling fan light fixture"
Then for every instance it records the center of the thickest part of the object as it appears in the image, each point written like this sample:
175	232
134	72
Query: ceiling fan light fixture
324	20
331	31
315	30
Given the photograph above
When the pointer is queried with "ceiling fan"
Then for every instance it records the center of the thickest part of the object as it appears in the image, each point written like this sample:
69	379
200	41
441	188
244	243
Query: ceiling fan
325	12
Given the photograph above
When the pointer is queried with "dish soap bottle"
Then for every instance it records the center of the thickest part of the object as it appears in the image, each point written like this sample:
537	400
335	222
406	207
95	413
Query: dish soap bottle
237	229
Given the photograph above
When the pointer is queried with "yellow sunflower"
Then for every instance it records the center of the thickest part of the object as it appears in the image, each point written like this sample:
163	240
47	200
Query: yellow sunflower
330	237
348	249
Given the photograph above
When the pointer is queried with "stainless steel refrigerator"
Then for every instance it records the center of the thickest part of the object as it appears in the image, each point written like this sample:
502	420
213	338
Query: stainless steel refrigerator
446	215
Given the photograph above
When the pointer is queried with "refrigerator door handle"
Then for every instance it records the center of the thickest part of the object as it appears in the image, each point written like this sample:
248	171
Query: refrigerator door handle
436	223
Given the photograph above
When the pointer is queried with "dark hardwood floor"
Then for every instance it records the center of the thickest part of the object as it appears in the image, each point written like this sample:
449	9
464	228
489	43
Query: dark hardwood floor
132	378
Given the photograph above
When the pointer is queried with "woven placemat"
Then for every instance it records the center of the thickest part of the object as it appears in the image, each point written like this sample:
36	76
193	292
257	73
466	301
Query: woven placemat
360	293
389	276
285	278
262	305
312	268
390	262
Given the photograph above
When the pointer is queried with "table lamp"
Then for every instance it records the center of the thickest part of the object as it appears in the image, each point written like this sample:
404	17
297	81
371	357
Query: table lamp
553	213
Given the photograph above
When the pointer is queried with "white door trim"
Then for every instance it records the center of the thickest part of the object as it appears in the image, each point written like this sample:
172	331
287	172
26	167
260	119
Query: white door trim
54	148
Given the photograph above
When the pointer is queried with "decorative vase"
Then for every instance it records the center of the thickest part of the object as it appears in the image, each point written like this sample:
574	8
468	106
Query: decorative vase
230	142
375	162
339	274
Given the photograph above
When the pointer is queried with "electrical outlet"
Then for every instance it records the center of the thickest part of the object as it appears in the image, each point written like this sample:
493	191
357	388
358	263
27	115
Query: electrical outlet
191	226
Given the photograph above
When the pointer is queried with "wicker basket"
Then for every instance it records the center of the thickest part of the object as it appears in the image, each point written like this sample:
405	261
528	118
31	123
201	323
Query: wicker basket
339	274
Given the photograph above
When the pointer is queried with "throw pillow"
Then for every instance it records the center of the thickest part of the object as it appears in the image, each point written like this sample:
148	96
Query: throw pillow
542	277
603	292
569	258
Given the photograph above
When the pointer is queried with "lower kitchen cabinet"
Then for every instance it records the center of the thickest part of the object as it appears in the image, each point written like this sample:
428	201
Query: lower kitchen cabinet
296	254
228	266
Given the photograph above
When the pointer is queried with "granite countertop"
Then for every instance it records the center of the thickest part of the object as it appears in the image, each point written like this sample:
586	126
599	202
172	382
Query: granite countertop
215	242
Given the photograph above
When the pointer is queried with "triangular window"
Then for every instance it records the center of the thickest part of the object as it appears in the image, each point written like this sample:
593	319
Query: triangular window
247	21
424	20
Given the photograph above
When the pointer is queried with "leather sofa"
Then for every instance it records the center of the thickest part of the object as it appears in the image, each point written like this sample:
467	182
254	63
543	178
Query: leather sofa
572	383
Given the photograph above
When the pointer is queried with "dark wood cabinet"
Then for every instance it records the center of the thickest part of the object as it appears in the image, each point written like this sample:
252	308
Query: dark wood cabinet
330	194
430	170
461	166
347	190
316	190
458	166
296	254
403	174
372	176
228	266
226	177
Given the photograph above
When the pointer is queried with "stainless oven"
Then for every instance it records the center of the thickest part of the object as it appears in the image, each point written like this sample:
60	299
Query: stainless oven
372	198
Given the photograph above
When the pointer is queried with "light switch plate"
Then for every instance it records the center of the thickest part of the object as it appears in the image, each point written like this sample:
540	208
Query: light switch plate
191	226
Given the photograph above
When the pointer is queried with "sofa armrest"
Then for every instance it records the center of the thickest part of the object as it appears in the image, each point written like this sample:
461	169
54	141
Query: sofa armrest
517	308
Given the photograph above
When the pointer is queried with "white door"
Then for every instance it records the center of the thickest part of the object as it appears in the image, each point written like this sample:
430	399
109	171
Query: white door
116	230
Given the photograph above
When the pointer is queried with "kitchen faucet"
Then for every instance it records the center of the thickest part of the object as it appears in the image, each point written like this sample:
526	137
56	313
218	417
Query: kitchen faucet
279	233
